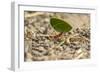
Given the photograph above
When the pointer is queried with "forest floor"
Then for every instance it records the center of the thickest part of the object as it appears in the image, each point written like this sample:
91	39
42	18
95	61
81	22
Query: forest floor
39	46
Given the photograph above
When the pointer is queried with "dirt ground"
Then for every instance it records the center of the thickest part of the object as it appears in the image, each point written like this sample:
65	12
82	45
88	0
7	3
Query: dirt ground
74	44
